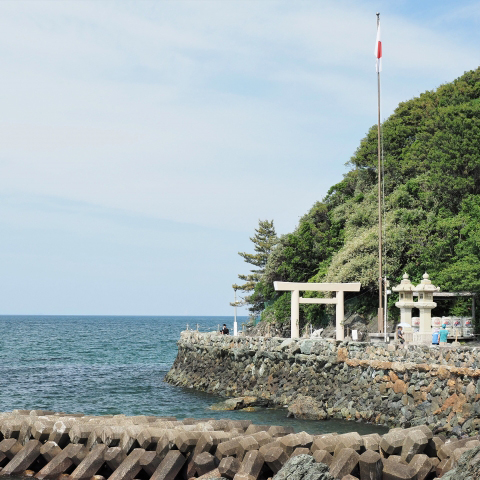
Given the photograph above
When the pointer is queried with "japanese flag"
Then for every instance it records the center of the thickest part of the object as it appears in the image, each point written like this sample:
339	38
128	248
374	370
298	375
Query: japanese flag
378	50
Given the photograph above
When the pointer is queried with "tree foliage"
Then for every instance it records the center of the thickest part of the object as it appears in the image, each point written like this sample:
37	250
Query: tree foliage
432	204
264	240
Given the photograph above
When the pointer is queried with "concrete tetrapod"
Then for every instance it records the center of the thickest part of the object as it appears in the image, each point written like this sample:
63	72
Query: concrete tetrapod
251	466
276	431
372	441
422	466
10	428
246	444
394	470
149	462
148	437
293	440
170	466
392	442
186	441
228	467
42	429
60	433
25	433
72	454
413	451
265	448
371	465
229	448
322	456
164	445
9	447
447	449
91	464
349	440
300	451
23	459
205	462
433	445
95	437
49	451
345	463
414	443
276	458
111	435
325	442
262	438
208	442
129	468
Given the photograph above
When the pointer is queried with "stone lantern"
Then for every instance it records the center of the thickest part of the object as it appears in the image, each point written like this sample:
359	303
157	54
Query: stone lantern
405	302
425	304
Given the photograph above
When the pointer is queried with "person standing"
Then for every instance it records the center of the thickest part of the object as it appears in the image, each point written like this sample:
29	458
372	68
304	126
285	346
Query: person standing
400	335
225	330
443	335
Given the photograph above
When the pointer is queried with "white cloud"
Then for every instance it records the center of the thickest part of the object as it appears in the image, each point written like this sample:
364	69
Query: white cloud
212	113
104	99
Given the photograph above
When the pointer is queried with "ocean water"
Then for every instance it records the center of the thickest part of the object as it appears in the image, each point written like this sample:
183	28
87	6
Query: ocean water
110	365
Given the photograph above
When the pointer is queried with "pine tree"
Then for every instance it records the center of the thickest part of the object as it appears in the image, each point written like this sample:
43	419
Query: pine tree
264	240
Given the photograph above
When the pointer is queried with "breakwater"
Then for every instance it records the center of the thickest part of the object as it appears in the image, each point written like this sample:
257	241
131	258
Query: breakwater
318	379
49	445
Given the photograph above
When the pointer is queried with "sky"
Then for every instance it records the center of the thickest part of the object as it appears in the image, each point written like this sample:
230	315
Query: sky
142	141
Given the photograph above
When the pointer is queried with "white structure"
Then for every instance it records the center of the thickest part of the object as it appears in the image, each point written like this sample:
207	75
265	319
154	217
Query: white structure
425	304
338	300
405	302
235	326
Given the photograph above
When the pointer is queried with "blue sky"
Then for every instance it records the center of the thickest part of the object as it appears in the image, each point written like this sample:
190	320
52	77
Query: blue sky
142	141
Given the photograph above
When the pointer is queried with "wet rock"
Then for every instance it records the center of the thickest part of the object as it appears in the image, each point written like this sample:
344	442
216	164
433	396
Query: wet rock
373	383
307	408
229	404
303	467
468	467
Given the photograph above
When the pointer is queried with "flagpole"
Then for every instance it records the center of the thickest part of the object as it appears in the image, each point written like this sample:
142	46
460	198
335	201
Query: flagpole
379	175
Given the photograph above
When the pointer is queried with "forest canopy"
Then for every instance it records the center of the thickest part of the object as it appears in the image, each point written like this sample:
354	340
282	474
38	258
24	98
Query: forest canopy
432	208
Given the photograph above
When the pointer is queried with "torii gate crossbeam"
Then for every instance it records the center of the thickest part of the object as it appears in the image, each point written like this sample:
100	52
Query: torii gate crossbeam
338	300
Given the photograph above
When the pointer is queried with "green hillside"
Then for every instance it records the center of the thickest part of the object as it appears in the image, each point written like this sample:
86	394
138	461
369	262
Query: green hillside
432	200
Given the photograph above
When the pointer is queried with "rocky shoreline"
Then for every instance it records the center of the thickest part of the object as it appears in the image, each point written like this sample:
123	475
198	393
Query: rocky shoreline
48	445
318	379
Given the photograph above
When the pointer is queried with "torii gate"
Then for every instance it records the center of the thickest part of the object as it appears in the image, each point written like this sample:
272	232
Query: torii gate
338	300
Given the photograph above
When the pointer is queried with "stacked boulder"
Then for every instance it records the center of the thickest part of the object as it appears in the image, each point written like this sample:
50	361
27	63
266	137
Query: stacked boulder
50	445
317	379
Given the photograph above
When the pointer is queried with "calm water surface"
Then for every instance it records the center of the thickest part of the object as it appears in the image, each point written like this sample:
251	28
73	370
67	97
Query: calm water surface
109	365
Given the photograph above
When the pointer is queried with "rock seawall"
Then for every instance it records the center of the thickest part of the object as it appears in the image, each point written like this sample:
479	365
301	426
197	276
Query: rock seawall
315	378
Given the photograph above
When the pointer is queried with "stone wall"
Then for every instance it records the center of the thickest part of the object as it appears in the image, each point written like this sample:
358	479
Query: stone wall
315	378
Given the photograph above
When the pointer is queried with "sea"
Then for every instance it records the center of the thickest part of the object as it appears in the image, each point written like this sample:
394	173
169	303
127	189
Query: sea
100	365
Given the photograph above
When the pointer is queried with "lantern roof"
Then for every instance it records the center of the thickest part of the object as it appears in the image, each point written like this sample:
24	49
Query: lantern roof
405	285
426	285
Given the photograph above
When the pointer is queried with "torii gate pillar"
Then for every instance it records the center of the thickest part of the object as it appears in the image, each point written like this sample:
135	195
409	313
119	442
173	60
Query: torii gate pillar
338	300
